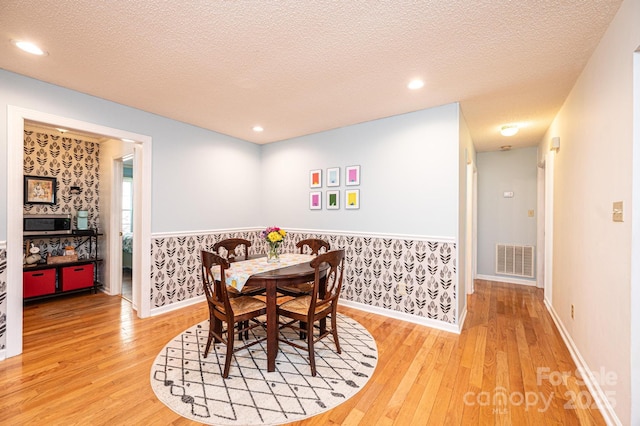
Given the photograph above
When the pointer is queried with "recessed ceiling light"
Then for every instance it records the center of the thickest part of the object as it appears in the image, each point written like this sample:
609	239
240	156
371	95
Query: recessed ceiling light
61	130
509	130
29	47
126	140
415	84
257	128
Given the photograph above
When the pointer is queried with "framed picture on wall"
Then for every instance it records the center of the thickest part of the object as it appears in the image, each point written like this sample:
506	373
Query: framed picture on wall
40	190
315	200
315	178
333	176
333	200
351	198
352	175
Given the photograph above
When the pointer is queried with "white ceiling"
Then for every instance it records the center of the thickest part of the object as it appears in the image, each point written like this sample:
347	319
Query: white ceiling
299	67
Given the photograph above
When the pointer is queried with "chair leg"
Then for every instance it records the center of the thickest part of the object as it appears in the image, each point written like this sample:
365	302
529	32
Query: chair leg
209	340
312	354
334	331
303	327
214	326
227	361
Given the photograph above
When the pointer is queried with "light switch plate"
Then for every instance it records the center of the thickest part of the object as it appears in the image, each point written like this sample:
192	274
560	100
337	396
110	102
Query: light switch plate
508	194
617	211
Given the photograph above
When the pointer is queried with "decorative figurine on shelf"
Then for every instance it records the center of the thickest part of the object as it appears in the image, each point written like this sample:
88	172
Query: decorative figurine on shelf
34	257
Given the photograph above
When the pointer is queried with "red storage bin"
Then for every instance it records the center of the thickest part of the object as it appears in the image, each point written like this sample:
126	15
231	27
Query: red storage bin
73	277
38	283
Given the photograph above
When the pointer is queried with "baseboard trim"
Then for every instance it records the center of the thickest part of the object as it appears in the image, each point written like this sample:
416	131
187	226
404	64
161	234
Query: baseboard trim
508	280
3	354
586	373
463	317
175	306
451	328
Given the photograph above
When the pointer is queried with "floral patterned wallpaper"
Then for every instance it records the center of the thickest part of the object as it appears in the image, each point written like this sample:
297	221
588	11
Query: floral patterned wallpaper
415	277
74	162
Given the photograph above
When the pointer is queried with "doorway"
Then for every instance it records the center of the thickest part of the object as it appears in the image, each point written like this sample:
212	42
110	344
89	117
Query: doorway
126	226
142	206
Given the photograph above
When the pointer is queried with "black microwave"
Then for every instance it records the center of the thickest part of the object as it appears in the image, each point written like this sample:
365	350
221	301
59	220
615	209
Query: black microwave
46	224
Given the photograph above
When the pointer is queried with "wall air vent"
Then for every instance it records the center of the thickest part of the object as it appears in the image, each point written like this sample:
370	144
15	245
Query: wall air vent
516	260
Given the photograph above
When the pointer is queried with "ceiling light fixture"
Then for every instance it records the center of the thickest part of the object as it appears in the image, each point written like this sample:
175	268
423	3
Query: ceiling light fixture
29	47
63	131
415	84
126	140
257	128
509	130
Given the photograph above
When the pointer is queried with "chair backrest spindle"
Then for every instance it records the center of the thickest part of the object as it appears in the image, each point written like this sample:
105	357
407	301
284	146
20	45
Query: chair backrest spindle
315	245
230	245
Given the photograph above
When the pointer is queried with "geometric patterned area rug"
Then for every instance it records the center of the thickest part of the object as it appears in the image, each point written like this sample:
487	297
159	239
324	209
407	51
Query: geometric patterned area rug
193	387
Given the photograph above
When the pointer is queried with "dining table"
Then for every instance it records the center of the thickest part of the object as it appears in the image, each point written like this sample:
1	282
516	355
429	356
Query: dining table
292	269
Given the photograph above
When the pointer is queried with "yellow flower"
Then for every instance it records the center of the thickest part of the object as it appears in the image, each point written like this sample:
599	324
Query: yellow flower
275	237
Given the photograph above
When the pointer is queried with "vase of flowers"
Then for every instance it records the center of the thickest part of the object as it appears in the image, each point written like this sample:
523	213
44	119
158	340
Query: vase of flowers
274	237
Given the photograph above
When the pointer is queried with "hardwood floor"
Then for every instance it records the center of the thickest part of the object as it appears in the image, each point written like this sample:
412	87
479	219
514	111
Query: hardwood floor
87	360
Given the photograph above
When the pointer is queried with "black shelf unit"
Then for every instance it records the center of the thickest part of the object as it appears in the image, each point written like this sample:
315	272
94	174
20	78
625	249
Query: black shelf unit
90	238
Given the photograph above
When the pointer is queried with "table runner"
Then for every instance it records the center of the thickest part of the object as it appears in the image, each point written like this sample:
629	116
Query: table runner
239	272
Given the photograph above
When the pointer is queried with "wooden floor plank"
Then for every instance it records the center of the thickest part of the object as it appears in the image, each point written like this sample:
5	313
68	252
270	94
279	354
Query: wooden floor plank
87	360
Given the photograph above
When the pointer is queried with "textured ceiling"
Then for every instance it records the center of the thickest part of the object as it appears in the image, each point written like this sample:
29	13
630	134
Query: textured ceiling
300	67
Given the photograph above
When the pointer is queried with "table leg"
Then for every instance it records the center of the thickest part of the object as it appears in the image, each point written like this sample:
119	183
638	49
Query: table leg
272	325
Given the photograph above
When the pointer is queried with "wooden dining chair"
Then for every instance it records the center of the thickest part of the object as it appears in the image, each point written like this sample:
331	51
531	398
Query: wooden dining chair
310	246
239	312
313	309
230	246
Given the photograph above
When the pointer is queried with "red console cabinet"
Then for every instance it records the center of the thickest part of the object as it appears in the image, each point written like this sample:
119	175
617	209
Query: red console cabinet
74	277
38	283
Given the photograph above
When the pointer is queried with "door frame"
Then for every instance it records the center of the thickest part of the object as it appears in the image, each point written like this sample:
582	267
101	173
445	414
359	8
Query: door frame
548	226
16	117
115	266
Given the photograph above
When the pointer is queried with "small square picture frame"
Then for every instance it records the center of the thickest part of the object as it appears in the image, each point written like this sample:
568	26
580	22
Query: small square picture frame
315	178
315	200
333	200
351	199
333	177
40	190
352	175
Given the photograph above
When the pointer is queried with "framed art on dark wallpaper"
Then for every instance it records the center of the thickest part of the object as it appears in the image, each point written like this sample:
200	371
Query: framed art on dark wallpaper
40	190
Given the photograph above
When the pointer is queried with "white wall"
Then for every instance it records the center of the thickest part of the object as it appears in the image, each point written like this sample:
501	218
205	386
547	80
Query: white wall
197	174
591	253
500	219
409	179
